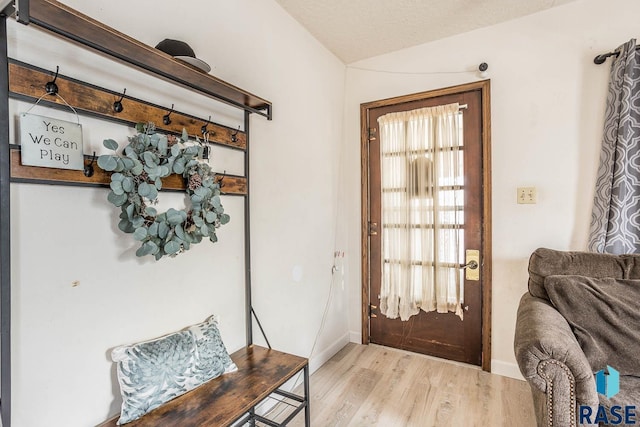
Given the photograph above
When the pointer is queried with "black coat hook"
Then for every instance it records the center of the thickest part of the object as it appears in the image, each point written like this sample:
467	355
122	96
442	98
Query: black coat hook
117	106
166	119
219	180
203	129
234	136
88	169
51	87
205	152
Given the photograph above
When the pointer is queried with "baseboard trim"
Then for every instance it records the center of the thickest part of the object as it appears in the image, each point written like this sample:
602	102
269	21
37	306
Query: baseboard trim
355	337
320	359
506	369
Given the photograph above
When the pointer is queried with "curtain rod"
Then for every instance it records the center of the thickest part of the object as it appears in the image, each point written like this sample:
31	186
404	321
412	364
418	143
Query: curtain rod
601	58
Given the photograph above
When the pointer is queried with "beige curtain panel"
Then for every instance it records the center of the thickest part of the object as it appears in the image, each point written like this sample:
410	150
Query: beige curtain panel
422	211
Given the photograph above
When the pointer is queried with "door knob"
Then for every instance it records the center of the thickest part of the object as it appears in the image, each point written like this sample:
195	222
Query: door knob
471	264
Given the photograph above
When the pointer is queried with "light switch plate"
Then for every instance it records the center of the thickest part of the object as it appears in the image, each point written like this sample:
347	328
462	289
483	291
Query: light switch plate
527	195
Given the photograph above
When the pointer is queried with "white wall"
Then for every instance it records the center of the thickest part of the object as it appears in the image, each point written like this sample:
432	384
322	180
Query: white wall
547	108
62	333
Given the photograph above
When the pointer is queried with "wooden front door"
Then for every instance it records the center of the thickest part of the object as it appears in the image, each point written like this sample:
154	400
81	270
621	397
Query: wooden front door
443	335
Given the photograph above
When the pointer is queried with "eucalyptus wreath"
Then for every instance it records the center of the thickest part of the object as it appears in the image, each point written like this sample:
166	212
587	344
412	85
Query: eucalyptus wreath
136	179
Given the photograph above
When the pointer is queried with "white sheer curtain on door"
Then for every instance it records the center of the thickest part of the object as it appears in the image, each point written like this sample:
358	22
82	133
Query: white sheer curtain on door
422	211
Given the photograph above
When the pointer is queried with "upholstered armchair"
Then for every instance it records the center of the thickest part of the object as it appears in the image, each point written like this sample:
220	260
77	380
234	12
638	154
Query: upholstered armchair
579	316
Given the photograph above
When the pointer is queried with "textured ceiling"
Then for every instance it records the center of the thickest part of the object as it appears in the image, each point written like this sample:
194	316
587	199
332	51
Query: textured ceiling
359	29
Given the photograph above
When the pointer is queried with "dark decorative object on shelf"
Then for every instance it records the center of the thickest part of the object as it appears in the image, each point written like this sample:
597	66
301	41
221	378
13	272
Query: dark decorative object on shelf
183	52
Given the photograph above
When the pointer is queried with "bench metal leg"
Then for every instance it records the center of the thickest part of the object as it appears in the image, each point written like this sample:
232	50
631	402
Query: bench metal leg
307	398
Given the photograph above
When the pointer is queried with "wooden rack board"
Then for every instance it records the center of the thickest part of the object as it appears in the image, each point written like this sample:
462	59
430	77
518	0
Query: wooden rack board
233	185
28	83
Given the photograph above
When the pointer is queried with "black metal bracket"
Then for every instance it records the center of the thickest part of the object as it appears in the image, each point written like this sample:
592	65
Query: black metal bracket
260	326
23	15
7	8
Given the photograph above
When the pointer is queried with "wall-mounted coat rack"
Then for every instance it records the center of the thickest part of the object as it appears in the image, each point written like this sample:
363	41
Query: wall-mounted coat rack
25	82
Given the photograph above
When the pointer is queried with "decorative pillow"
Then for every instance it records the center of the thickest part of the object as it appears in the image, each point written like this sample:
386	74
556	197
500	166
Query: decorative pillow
604	317
549	262
153	372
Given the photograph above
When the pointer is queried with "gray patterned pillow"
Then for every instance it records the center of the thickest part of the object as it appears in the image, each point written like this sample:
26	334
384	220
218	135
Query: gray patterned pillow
153	372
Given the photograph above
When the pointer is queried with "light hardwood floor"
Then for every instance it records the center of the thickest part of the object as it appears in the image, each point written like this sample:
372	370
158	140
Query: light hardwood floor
380	386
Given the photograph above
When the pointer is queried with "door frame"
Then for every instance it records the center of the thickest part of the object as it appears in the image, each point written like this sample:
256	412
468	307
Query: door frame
485	88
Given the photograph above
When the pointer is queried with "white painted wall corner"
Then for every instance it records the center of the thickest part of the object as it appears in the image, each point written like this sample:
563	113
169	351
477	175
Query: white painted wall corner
506	369
355	337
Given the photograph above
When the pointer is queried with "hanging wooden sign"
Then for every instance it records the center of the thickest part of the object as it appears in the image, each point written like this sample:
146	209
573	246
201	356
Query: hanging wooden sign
50	142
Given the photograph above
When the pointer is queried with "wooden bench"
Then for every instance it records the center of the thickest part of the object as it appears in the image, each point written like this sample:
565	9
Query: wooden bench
233	397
